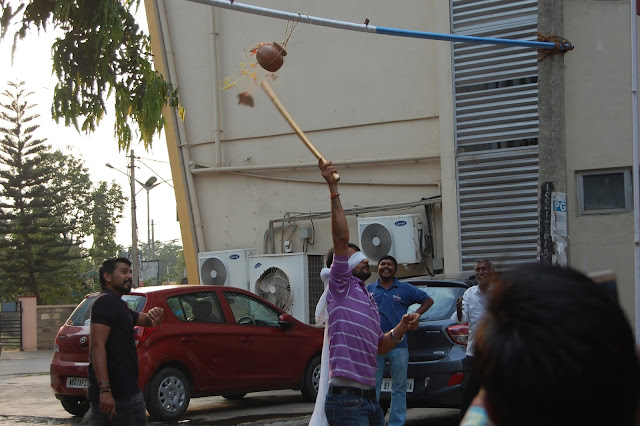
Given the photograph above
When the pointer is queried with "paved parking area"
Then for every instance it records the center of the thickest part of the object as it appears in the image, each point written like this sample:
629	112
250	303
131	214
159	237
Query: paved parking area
16	362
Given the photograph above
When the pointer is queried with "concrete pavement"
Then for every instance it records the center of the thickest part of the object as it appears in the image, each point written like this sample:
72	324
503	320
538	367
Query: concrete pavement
14	362
26	370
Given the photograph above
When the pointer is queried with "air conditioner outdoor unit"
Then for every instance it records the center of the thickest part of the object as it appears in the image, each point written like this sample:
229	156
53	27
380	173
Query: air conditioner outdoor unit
226	267
290	281
398	236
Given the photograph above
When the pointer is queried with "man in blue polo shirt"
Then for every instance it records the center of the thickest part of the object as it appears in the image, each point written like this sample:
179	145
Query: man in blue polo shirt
394	298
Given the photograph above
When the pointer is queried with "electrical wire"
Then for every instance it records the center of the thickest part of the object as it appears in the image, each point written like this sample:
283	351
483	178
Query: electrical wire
155	173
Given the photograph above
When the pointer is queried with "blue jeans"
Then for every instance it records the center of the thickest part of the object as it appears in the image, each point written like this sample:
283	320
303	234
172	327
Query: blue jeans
349	410
130	411
398	359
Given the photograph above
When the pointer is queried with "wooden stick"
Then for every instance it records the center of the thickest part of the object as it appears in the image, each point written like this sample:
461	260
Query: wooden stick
274	98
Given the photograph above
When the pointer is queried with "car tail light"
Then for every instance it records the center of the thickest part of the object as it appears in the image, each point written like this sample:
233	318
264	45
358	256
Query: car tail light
459	333
56	343
142	333
456	379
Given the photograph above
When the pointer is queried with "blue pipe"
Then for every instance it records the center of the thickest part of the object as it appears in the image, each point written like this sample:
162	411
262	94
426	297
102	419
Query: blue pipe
471	39
298	17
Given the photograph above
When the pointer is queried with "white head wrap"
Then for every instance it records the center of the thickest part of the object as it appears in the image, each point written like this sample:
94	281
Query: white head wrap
355	259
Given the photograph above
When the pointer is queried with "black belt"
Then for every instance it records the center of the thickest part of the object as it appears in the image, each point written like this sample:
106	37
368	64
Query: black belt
369	394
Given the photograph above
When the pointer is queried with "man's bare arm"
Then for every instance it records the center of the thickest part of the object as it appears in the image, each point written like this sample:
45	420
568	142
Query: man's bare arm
391	338
99	336
151	318
424	307
339	226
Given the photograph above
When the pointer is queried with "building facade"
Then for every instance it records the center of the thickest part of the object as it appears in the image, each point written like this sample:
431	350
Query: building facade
505	153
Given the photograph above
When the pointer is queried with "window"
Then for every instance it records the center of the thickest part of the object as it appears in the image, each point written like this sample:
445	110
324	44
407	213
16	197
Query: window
444	302
604	191
197	307
248	310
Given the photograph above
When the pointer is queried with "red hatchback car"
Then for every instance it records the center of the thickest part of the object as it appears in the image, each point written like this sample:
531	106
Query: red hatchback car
213	341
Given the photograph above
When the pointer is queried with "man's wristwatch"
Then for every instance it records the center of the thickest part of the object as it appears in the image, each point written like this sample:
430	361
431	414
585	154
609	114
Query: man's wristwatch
395	338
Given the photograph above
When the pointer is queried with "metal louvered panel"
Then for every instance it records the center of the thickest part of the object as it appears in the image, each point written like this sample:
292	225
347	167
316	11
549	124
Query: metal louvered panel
474	13
498	206
496	96
496	116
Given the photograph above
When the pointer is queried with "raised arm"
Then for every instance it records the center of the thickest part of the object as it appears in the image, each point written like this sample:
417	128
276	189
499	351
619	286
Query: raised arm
339	226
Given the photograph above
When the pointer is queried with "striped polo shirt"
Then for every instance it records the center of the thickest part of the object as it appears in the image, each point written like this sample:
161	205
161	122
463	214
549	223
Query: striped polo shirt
354	326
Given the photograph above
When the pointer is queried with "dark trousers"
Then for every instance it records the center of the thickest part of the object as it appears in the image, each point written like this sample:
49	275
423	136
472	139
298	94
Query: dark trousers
130	411
470	385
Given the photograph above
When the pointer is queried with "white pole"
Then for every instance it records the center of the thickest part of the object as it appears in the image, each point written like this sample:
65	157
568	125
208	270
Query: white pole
636	182
149	255
134	228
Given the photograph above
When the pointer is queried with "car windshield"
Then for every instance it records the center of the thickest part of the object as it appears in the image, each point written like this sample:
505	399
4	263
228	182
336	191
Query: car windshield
444	302
81	316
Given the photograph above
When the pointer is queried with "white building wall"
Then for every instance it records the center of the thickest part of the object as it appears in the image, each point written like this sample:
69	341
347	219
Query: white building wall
598	132
359	97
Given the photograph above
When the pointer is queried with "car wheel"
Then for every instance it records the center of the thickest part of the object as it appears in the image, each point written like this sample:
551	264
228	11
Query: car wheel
233	396
311	380
168	393
74	405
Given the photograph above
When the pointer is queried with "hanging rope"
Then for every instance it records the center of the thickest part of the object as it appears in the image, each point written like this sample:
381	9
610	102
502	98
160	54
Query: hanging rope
297	17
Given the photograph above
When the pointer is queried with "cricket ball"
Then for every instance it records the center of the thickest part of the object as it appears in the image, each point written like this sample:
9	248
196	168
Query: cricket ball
270	56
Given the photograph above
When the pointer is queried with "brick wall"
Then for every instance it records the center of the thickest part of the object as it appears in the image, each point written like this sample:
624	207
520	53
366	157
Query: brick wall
50	319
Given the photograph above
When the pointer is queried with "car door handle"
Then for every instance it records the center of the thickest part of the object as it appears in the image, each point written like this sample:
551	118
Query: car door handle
186	340
246	339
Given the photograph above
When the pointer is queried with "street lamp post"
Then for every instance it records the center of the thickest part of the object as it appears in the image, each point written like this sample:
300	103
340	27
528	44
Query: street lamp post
148	186
134	227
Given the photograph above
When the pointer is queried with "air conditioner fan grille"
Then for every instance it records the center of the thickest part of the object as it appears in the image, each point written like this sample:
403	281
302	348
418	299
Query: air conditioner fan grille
376	241
273	285
213	271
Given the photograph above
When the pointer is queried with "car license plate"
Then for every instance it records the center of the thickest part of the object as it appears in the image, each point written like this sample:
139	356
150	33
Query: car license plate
77	382
387	385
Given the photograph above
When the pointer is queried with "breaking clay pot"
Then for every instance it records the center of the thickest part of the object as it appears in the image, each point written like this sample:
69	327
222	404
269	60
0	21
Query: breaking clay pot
270	56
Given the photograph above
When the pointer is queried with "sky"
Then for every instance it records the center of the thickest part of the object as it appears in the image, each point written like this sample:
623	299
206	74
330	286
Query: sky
32	64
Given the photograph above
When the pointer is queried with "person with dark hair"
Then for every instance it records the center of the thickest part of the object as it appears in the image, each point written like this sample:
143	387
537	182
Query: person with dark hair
554	349
393	298
354	332
470	309
116	398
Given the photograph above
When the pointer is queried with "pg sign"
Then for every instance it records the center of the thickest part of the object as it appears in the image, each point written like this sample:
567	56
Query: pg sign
559	214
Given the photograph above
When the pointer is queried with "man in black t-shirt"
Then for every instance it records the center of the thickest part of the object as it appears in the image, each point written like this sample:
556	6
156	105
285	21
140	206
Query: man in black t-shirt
113	372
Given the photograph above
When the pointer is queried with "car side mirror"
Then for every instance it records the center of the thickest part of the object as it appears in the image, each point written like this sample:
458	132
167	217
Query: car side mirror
286	321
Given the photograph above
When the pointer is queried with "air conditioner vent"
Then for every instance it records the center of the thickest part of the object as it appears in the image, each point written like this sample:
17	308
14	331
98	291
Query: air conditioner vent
400	236
376	241
226	267
213	271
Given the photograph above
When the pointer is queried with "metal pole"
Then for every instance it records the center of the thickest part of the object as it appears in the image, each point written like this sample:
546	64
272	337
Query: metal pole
149	256
306	19
153	242
134	228
636	159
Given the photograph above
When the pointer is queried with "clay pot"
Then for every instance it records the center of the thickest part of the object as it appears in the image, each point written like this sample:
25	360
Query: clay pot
270	56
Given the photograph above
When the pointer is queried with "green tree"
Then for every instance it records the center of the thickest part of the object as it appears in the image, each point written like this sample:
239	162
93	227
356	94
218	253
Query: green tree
102	52
37	241
107	206
47	204
171	255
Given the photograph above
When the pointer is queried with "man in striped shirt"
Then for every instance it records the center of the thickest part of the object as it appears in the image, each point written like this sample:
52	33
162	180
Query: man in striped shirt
355	336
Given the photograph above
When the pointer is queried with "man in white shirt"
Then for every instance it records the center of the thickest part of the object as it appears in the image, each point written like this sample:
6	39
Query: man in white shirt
470	308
